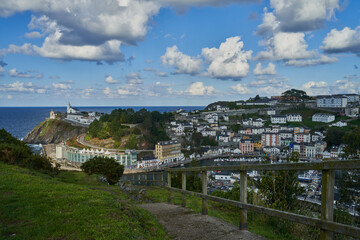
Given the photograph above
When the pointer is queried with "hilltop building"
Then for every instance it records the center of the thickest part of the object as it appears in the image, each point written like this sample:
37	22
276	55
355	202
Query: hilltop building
71	110
332	101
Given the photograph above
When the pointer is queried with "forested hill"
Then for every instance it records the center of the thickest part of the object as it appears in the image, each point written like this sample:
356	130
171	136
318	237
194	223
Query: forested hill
149	129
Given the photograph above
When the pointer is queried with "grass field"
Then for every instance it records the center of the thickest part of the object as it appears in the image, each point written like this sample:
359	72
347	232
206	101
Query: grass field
70	206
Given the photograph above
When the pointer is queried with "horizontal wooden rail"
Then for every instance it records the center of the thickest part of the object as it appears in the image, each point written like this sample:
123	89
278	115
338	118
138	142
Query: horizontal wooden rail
325	165
315	222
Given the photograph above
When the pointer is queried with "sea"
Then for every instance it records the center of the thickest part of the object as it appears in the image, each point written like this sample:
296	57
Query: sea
21	120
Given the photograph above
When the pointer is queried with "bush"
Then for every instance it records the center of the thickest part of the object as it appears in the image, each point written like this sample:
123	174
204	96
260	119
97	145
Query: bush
108	167
16	152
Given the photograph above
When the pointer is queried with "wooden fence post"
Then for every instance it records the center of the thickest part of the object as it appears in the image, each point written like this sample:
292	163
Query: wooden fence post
183	185
327	201
204	191
243	199
169	185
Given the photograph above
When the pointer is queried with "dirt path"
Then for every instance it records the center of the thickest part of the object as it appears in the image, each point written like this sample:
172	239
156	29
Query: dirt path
182	224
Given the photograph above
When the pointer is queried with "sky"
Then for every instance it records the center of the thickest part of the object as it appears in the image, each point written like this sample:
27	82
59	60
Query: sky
174	52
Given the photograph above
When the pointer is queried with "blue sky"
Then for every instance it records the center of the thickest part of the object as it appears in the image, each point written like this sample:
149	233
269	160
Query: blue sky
171	52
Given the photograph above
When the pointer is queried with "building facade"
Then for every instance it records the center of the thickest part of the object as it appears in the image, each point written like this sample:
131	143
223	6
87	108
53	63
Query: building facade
270	140
167	150
323	117
78	156
331	101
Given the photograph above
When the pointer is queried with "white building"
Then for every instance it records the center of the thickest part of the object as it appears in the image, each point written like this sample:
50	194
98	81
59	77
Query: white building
278	119
310	151
302	137
71	110
293	117
334	101
271	112
323	117
339	124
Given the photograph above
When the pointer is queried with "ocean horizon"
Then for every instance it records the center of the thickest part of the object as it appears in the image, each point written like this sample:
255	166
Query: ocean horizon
21	120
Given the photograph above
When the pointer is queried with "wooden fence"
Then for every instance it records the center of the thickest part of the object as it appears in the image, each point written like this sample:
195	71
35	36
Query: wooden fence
326	224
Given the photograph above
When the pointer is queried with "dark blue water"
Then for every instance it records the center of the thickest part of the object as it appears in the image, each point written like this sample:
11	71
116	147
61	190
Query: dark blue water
20	120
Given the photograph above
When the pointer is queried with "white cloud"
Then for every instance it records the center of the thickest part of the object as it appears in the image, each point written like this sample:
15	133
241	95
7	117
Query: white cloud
86	93
345	86
134	78
312	62
269	70
345	40
241	89
303	15
61	86
269	24
228	61
14	73
126	91
109	79
316	88
198	89
161	74
41	90
286	46
183	63
18	87
33	35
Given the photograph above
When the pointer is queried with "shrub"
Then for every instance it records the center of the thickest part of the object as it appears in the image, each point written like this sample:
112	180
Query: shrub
16	152
108	167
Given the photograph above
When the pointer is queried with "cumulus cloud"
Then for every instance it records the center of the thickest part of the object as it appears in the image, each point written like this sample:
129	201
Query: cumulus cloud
345	86
14	73
303	15
269	70
282	30
183	63
229	61
240	89
323	59
345	40
286	46
316	88
62	86
199	89
109	79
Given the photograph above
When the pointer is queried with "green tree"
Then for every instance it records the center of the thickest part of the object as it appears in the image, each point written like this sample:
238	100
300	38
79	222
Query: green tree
294	95
280	188
350	180
108	167
334	136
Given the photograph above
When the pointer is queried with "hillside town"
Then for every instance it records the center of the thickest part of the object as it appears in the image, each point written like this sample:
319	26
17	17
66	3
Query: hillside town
259	128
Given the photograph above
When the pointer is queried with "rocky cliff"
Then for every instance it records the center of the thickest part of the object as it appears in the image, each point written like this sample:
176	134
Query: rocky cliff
53	131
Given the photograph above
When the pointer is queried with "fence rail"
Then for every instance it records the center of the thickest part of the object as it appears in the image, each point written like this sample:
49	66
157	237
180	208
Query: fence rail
326	224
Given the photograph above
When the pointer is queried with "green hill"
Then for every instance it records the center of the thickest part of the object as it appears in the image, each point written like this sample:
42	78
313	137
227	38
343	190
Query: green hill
69	206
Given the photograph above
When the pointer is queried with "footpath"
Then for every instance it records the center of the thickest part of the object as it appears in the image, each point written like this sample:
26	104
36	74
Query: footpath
182	224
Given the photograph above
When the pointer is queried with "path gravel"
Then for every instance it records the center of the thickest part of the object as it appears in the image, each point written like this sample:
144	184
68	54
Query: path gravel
182	224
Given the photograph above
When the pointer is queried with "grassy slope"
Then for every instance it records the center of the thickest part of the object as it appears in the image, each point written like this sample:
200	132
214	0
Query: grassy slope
71	206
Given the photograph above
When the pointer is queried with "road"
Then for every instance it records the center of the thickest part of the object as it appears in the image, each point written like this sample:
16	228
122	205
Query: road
80	139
